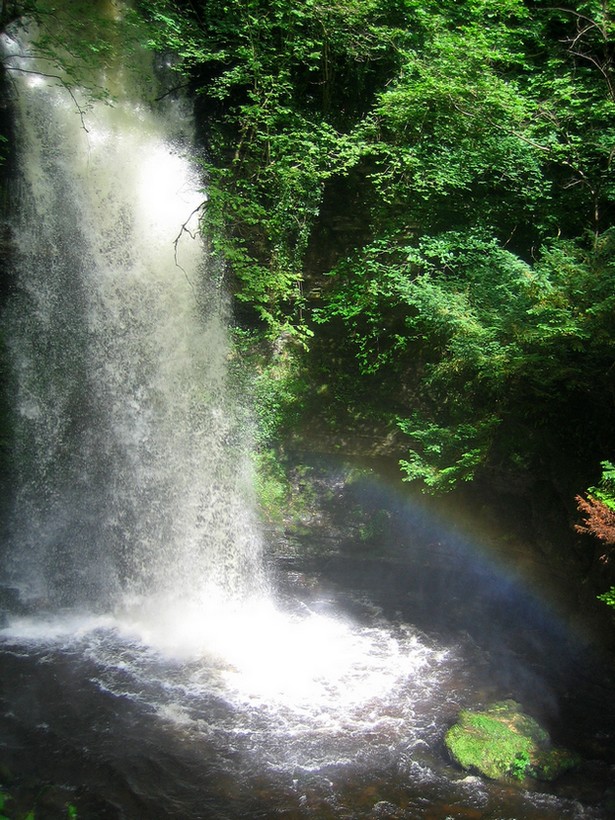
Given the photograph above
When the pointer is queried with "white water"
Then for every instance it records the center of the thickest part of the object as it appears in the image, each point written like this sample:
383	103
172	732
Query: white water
134	475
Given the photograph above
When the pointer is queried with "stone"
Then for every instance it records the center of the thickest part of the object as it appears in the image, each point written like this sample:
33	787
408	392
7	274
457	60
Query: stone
503	743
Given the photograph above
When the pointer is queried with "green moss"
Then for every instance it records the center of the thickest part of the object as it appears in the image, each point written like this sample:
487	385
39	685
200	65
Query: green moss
485	743
271	484
504	743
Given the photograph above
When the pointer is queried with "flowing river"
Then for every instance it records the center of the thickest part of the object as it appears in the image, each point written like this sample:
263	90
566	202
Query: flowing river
153	663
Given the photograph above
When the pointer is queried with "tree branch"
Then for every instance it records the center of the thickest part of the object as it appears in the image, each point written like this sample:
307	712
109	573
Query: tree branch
171	91
184	229
64	85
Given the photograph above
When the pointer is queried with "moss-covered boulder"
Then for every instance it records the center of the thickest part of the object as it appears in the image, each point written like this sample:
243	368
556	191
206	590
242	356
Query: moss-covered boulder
503	743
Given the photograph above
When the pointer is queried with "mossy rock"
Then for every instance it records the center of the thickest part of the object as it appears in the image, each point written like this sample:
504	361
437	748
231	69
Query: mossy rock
503	743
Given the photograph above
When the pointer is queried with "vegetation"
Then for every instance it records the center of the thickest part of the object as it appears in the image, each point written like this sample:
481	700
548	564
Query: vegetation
597	509
8	811
503	743
427	190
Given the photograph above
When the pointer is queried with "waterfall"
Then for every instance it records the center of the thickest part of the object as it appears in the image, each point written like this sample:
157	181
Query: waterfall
132	479
144	667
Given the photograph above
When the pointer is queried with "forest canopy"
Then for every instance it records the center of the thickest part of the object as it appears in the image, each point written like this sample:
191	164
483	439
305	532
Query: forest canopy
425	188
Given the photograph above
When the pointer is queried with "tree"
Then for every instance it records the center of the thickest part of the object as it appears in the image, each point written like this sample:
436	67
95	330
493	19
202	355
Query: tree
597	509
469	145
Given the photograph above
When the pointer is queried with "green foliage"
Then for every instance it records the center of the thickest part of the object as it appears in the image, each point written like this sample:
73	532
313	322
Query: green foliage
372	527
272	380
471	143
476	332
271	484
284	495
261	227
7	814
278	391
445	455
605	491
520	765
502	742
453	132
608	597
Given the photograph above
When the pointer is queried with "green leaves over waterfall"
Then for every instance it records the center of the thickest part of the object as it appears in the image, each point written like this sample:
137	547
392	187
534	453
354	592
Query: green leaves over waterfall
421	194
85	63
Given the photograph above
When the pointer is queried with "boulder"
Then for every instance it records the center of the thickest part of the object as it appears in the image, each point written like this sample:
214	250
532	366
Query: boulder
503	743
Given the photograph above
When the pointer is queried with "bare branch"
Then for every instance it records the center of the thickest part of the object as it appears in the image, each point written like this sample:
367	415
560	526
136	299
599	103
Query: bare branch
64	85
171	91
185	229
574	40
580	16
603	68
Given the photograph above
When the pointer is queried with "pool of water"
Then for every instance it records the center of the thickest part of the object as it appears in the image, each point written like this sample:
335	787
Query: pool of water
327	702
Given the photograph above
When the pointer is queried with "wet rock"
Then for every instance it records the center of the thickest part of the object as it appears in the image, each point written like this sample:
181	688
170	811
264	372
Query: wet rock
384	809
503	743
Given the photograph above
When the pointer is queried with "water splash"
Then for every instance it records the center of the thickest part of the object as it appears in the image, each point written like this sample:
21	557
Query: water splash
133	479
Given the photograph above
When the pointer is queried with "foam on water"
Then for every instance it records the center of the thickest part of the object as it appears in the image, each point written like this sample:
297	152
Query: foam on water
292	690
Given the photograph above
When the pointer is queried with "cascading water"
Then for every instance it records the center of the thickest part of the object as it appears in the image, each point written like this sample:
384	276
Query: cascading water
132	476
151	658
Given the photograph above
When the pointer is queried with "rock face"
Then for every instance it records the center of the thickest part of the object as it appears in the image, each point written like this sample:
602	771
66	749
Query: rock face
503	743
